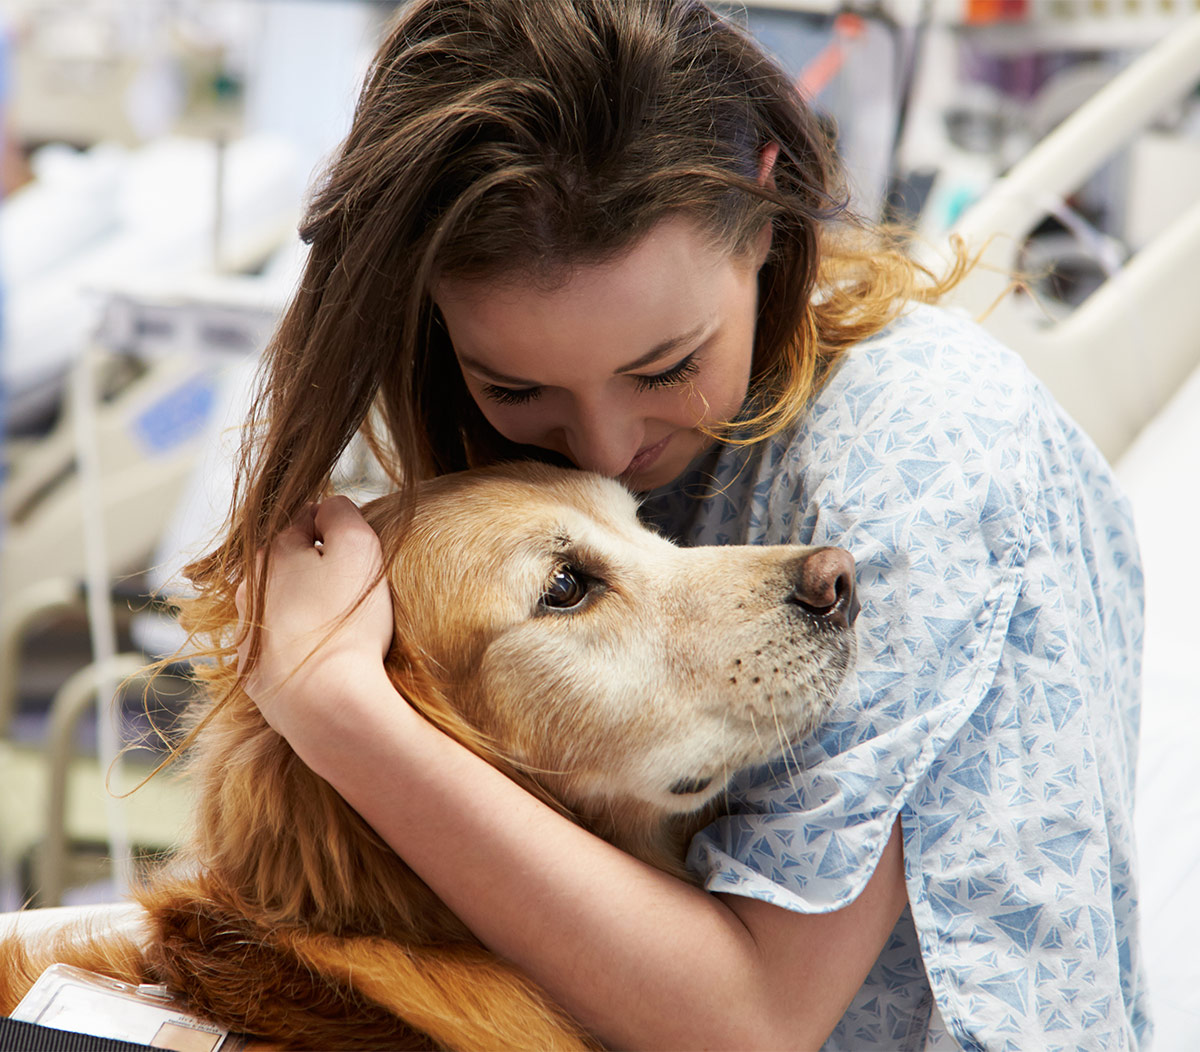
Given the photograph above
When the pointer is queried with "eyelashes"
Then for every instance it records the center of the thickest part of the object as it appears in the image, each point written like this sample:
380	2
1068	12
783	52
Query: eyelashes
510	395
679	373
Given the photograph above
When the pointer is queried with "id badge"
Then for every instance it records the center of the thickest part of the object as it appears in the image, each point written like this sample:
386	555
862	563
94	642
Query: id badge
69	998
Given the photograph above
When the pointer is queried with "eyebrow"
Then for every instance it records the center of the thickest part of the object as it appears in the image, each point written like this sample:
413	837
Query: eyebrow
659	350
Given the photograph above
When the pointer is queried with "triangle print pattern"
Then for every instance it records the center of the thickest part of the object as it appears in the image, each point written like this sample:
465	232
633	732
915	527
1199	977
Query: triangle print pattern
994	709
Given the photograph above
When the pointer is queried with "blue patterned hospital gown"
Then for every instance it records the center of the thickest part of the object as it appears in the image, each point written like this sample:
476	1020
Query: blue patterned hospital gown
995	705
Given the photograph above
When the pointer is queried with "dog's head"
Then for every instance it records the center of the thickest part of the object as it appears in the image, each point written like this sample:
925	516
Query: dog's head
621	678
626	676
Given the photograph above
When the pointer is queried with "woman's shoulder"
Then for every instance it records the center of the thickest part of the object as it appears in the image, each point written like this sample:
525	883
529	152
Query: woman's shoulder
935	393
930	364
931	418
933	390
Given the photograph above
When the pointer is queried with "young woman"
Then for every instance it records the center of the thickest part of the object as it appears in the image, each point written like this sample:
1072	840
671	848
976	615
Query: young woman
608	234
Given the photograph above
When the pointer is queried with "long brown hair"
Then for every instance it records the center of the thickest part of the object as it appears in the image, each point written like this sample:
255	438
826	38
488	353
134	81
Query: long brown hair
525	137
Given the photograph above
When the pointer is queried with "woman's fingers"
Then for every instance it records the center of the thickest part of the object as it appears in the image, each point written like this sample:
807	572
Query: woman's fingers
352	548
300	534
325	600
307	539
336	511
338	519
326	619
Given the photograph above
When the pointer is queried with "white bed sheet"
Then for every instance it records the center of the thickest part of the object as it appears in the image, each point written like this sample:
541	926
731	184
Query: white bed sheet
1161	473
126	917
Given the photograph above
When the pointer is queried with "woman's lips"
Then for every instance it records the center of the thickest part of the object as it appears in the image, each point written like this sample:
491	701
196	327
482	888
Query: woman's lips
645	457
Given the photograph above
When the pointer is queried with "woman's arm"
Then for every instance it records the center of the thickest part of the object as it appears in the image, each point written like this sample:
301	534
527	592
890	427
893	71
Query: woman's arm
639	957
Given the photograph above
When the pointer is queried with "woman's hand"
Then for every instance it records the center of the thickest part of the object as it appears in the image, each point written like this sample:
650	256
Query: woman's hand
318	640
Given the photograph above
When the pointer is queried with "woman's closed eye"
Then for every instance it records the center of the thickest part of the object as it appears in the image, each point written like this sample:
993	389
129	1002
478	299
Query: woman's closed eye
510	395
679	373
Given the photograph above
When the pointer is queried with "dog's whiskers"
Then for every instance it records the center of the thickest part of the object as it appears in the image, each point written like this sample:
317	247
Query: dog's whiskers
758	736
780	736
727	776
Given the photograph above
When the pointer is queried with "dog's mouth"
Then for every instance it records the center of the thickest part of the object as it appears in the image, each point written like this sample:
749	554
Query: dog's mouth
690	786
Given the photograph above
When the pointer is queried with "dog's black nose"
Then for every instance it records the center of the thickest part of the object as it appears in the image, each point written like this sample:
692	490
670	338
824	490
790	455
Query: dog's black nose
824	586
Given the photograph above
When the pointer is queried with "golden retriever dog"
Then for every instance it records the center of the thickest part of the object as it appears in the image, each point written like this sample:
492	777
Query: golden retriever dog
620	678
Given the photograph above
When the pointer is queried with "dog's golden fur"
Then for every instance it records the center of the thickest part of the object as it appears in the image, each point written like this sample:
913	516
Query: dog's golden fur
286	917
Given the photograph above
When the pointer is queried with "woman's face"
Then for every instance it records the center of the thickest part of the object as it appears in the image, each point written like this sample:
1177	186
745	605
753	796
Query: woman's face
619	366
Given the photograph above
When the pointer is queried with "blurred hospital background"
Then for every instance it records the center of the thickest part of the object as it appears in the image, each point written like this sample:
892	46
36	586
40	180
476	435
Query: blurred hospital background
154	159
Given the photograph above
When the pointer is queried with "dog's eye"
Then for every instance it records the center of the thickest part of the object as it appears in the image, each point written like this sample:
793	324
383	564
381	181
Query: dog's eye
566	589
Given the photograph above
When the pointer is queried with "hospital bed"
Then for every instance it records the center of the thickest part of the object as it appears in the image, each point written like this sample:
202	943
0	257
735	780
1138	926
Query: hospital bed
1159	472
1117	358
152	440
173	209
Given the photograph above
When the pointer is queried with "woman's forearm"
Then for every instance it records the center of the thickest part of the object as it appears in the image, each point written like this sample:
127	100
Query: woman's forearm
639	957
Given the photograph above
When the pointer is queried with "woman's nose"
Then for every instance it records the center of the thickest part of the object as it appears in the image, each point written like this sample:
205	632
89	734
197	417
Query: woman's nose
603	441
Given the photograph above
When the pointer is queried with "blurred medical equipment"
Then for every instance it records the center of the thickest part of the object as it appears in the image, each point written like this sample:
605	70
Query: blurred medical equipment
105	486
134	375
80	242
1117	358
174	208
58	809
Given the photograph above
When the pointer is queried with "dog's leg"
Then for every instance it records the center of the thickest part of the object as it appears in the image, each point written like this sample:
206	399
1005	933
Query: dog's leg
315	990
462	996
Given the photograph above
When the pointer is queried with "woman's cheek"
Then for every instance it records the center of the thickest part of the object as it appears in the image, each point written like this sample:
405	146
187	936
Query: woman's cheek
516	424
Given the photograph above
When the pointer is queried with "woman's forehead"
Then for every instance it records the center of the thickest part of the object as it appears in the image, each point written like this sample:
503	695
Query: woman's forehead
662	291
676	241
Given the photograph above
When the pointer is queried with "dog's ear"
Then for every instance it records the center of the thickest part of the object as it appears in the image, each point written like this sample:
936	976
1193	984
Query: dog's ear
415	676
319	861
